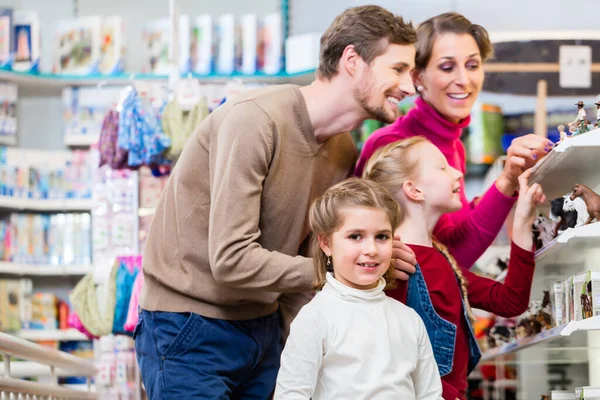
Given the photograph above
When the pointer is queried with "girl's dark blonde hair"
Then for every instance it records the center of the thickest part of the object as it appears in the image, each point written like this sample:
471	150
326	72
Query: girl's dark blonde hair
396	163
451	22
325	217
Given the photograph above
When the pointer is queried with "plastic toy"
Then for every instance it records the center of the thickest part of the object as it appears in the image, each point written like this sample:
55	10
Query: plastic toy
591	199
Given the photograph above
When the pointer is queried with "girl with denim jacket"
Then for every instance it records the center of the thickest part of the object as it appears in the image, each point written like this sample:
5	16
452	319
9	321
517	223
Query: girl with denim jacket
352	341
442	293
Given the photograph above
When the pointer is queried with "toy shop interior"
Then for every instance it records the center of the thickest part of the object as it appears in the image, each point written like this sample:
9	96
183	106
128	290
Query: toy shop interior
98	98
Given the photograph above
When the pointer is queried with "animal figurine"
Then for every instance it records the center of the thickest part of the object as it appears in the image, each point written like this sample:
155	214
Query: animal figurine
591	200
544	315
543	231
528	324
495	268
564	219
499	335
578	205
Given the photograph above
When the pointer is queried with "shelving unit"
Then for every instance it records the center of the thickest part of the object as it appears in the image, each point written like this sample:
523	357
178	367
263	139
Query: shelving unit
80	140
67	335
52	84
590	324
18	203
8	140
574	160
20	269
570	244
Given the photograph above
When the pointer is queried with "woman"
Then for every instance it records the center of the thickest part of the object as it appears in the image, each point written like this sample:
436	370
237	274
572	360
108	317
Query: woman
449	75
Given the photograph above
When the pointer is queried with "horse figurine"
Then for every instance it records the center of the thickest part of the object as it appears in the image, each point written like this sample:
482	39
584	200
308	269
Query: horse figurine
591	199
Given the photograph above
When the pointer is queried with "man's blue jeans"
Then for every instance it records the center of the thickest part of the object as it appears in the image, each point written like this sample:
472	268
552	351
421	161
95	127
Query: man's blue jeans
187	356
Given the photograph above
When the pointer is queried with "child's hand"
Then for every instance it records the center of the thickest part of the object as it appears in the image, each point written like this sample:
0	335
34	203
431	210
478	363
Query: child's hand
525	213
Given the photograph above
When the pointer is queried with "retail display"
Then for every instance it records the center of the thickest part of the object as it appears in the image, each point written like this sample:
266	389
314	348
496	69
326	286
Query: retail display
38	174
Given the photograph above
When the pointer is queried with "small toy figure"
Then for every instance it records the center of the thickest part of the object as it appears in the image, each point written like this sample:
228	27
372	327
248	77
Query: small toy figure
543	231
565	218
572	129
581	120
561	131
591	200
544	315
597	114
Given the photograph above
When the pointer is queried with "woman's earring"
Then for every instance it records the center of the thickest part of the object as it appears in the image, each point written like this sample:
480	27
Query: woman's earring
420	88
329	266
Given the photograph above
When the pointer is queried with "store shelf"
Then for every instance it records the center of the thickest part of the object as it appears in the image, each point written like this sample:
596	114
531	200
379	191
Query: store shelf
8	140
574	160
43	270
81	140
589	324
67	335
51	84
26	369
569	244
17	203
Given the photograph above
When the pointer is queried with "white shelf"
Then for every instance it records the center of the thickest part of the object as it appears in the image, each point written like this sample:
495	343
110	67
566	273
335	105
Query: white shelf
17	203
590	324
67	335
43	270
51	84
26	369
577	240
81	140
8	140
574	160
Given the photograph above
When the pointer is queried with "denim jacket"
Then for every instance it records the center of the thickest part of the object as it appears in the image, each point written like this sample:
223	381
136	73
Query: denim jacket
442	333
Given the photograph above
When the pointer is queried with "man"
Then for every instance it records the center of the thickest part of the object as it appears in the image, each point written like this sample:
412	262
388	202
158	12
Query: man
222	254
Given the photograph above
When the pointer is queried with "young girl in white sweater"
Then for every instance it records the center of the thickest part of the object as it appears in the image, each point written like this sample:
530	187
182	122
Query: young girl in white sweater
352	341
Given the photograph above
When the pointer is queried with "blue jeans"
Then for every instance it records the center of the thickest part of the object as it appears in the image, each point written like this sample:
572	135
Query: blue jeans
187	356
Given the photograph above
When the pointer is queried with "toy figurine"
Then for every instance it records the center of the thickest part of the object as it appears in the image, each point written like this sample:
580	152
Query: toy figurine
591	200
581	120
564	218
544	315
561	131
543	231
572	129
597	114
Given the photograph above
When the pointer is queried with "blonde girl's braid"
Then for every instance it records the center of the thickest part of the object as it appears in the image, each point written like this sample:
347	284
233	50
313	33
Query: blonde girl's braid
461	279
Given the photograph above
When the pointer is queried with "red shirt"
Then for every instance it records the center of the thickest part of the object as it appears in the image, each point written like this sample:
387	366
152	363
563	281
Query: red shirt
507	300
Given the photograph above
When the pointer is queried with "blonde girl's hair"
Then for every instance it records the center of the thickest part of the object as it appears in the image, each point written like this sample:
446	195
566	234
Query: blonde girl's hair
394	164
325	217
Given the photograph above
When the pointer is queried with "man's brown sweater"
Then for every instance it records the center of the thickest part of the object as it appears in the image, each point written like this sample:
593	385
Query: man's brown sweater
227	232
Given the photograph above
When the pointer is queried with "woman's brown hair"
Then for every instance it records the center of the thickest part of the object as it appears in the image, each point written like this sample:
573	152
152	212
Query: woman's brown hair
451	22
